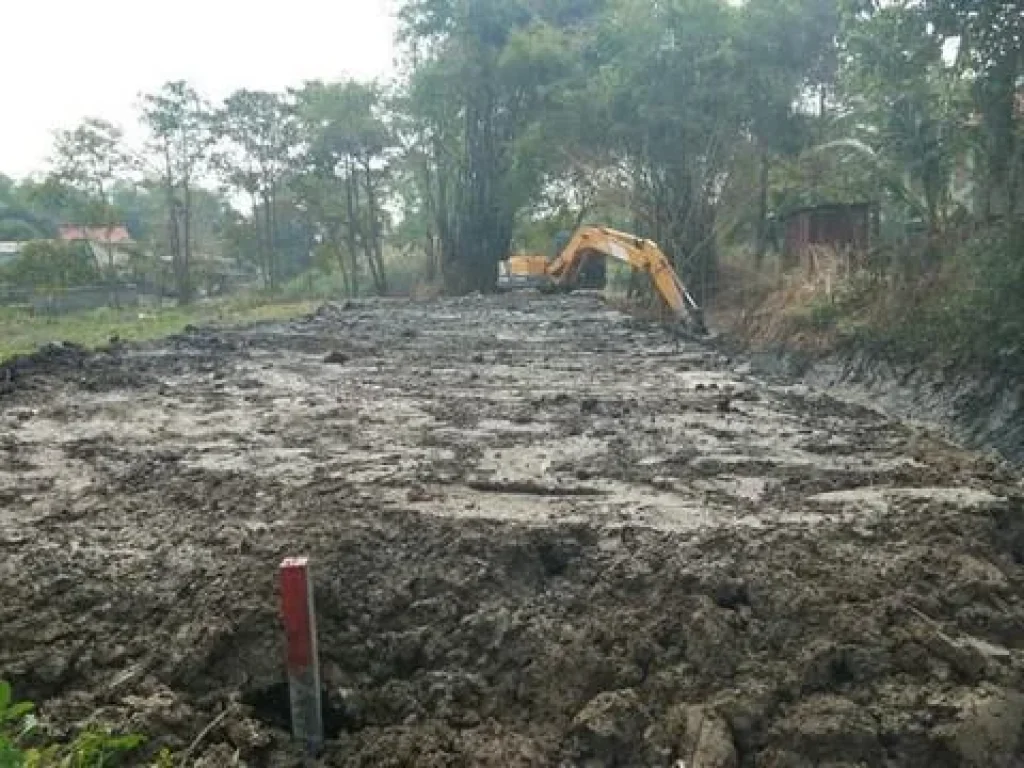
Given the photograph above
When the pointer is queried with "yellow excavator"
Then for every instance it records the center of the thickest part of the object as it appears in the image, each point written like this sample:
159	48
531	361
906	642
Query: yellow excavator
575	267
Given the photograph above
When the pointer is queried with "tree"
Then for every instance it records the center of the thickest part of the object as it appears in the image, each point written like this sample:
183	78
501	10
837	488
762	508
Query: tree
179	123
340	173
908	106
480	76
51	267
92	158
787	52
990	41
259	136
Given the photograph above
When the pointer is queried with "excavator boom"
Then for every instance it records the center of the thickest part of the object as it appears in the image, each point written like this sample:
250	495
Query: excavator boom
639	253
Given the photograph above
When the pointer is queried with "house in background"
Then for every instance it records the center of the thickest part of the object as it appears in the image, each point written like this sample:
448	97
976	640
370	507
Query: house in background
105	243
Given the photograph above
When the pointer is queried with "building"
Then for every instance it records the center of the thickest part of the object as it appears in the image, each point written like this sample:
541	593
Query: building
839	226
105	243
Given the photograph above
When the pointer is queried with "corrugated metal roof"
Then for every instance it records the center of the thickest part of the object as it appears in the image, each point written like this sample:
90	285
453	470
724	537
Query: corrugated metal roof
117	234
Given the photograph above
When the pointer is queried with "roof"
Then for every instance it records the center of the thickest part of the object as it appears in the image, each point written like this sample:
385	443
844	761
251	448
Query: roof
117	234
821	207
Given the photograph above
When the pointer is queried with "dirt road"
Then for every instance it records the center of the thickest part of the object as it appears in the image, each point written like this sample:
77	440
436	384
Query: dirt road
543	533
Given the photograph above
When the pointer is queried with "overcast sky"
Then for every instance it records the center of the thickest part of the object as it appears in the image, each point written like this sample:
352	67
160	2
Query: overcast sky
62	60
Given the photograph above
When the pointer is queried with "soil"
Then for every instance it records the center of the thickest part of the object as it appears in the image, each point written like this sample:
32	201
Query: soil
542	533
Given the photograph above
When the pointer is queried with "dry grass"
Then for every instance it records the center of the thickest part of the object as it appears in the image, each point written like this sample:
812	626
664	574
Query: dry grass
807	309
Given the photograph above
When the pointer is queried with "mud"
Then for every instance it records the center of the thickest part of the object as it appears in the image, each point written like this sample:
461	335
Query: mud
543	533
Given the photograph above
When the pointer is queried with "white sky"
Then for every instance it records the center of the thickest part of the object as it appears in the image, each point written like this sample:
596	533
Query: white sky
62	60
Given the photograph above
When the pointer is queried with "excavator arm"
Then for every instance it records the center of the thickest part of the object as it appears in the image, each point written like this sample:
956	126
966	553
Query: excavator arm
639	253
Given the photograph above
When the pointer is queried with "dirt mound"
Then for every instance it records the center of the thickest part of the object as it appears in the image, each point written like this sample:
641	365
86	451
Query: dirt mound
48	360
791	581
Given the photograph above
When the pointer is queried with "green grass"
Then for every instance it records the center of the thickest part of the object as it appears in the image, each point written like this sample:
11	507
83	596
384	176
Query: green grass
21	332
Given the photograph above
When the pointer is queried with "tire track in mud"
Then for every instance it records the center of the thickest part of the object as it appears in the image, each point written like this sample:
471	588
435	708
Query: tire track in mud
543	532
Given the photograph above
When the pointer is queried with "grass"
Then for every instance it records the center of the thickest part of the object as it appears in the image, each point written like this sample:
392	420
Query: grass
22	332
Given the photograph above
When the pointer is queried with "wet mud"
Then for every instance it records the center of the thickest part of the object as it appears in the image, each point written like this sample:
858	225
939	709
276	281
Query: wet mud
542	532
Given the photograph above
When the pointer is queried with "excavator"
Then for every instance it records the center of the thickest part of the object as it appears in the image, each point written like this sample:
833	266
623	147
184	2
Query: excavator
580	265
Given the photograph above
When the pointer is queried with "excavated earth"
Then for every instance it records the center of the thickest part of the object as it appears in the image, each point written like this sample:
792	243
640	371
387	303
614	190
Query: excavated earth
542	533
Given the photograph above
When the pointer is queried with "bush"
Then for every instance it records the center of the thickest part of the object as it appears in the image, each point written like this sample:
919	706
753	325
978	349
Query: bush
50	267
405	274
314	284
970	310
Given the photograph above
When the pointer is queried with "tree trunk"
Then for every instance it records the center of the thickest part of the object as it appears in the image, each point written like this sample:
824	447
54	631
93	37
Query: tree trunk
260	249
269	243
485	224
350	229
112	271
374	246
430	215
185	279
762	213
339	254
272	237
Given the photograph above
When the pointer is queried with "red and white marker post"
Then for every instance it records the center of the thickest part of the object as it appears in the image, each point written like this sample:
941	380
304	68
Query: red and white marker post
303	661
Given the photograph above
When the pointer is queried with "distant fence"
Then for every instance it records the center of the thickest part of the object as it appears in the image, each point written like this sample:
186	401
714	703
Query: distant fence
77	299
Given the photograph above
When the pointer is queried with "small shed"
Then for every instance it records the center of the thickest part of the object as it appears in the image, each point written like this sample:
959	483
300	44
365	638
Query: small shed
842	226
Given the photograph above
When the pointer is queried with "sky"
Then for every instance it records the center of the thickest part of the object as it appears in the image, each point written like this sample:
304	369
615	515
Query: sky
63	60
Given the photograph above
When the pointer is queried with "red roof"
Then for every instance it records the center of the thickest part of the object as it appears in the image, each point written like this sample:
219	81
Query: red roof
117	234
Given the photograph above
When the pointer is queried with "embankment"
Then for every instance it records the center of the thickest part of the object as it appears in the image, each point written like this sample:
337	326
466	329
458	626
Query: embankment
982	409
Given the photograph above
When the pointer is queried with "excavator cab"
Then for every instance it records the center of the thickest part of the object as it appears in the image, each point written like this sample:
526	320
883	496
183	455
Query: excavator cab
592	273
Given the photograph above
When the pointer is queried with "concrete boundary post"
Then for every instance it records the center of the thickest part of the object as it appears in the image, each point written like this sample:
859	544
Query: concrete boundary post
303	662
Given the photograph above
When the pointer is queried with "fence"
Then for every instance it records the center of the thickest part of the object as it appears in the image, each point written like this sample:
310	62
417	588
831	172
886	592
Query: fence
71	300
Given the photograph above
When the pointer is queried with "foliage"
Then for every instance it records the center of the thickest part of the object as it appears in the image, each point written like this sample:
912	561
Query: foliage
482	75
91	159
93	748
971	312
50	267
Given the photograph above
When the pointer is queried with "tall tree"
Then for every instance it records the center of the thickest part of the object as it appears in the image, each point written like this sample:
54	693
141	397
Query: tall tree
481	73
259	134
92	158
787	54
179	123
906	104
340	173
990	38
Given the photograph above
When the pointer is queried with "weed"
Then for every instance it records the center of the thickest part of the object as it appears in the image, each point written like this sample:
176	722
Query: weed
95	747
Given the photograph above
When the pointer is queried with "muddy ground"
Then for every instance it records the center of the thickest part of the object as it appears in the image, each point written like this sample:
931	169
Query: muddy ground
543	533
